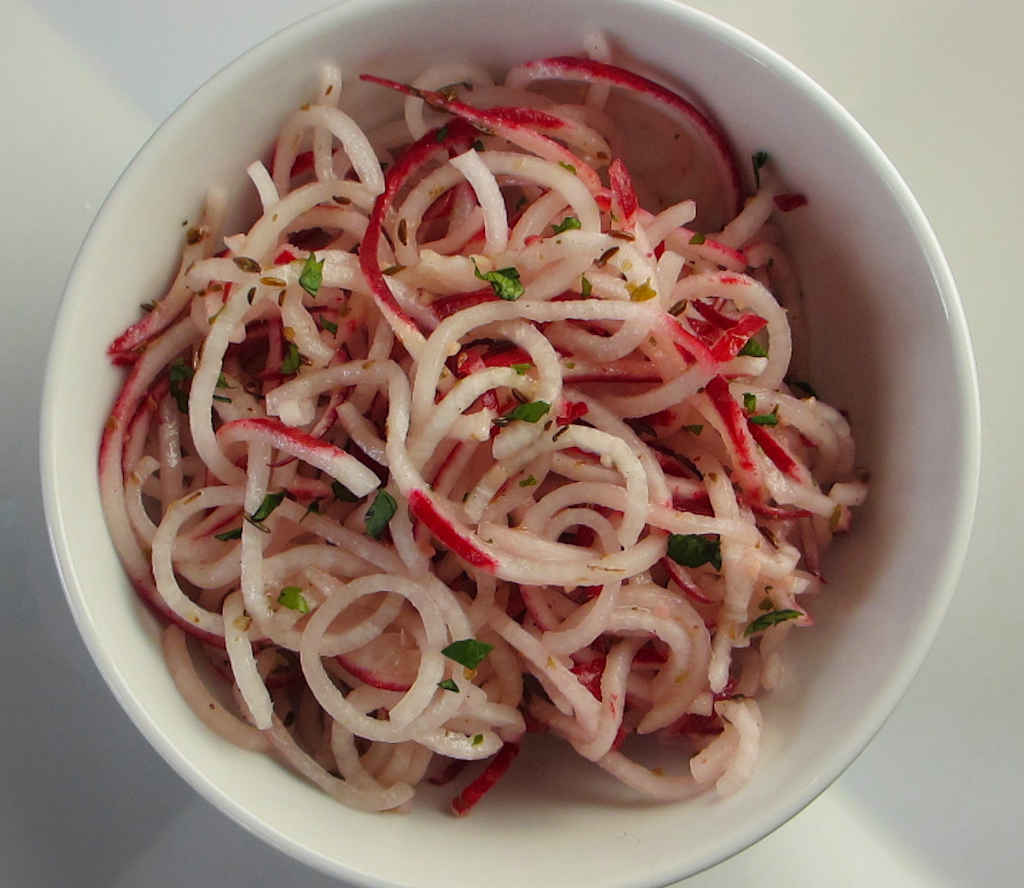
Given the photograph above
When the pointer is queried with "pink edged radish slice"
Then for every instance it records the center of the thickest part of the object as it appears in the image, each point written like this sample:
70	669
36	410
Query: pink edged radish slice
390	662
688	154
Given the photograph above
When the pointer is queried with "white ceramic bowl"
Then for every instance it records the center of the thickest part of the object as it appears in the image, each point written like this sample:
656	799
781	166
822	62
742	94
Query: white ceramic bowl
889	344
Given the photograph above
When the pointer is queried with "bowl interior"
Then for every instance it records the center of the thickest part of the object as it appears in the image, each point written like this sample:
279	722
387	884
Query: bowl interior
887	336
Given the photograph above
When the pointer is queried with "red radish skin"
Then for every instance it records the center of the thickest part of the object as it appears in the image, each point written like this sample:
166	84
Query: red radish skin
570	411
787	202
589	673
325	456
389	662
591	71
624	202
775	451
520	126
463	803
424	509
689	589
746	472
415	157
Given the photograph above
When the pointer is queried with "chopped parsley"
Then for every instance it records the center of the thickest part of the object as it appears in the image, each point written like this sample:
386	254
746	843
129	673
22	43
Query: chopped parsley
529	481
312	275
531	411
641	292
468	652
222	398
505	282
448	685
314	506
478	739
293	599
329	326
180	376
292	360
270	502
754	349
758	159
521	369
567	166
765	419
749	402
804	387
478	145
771	619
695	429
235	534
567	223
247	264
697	239
380	513
693	550
585	287
442	133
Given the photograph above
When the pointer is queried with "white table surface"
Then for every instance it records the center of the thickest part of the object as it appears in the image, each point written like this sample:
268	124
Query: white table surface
85	802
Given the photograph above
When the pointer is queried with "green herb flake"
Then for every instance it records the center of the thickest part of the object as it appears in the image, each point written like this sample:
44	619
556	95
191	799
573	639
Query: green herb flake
804	387
442	133
314	506
393	269
641	292
567	166
522	369
468	652
764	419
754	349
505	282
531	411
749	402
586	288
341	492
448	685
758	159
293	599
697	239
222	382
695	429
292	360
693	550
478	145
569	222
180	376
270	502
312	275
329	326
773	618
248	265
529	481
380	513
228	535
478	739
222	399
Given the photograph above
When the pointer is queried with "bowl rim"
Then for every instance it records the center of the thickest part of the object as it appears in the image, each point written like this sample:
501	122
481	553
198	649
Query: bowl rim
885	699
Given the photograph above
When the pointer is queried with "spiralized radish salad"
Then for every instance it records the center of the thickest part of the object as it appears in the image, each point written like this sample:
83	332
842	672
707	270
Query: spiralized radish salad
475	433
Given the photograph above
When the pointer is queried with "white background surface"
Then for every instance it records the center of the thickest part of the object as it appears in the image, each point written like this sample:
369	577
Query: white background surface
934	801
